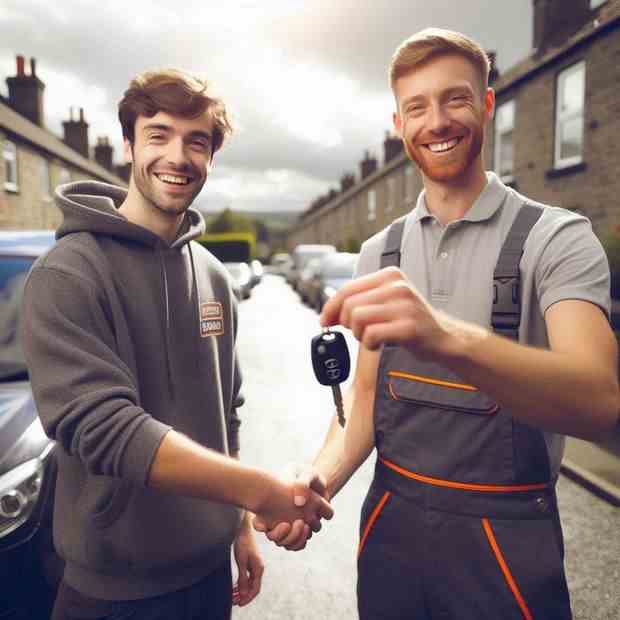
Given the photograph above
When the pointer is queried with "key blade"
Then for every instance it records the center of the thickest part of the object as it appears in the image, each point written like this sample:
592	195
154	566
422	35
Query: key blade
339	405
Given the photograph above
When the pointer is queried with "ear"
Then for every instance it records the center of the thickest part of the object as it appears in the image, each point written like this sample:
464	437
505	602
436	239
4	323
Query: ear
128	151
489	104
398	124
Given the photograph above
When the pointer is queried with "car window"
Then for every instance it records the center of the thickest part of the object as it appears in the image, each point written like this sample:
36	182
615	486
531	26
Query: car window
13	272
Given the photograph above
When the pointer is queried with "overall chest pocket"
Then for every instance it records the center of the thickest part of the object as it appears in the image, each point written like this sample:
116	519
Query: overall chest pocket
430	385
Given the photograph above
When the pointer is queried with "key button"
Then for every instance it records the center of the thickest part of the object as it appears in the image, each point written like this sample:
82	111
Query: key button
443	255
542	504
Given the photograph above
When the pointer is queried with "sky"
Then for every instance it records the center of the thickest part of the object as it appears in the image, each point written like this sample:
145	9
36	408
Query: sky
305	81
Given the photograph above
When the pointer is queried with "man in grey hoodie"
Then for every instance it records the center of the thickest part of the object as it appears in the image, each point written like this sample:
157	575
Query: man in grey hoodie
129	334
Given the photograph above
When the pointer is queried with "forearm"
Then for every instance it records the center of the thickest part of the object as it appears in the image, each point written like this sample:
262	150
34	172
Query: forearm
556	391
345	449
184	467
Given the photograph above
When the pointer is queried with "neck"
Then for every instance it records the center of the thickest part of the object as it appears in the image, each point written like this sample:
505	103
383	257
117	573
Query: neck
451	201
138	210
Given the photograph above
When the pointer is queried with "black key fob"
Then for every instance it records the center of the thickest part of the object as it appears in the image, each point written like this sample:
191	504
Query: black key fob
330	358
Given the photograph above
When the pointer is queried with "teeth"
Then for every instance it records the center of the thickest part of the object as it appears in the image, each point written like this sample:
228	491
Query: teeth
169	178
438	147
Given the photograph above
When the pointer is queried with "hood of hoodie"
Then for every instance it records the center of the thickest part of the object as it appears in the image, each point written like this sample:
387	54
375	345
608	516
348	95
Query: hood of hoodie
91	206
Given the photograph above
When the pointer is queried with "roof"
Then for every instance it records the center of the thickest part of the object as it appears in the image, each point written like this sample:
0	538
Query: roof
25	130
607	18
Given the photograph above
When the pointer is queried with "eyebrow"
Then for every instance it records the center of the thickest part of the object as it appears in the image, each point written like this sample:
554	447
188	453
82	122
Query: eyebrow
461	88
167	128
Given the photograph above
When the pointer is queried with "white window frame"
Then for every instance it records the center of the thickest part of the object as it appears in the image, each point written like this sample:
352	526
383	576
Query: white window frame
409	183
563	117
500	130
391	194
594	4
64	176
372	205
45	179
9	156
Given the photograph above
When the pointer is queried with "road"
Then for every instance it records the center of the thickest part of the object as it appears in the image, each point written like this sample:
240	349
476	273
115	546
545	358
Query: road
285	419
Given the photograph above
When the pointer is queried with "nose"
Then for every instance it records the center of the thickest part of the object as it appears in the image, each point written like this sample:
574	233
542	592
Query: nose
175	153
438	120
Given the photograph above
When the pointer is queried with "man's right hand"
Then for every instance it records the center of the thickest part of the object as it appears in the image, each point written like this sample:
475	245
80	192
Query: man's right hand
308	485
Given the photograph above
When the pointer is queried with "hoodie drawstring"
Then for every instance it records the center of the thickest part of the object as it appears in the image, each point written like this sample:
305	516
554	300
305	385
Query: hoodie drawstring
162	266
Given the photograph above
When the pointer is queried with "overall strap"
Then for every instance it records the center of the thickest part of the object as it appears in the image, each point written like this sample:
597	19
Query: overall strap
506	313
391	253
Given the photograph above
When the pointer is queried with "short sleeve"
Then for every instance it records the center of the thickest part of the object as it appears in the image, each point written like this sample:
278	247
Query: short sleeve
572	263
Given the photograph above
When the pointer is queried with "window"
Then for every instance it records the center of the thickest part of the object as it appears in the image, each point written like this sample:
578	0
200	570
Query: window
594	4
44	176
64	176
569	116
504	147
408	183
9	154
391	194
372	205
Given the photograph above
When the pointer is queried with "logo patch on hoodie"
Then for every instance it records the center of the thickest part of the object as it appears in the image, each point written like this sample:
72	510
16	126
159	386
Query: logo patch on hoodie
211	319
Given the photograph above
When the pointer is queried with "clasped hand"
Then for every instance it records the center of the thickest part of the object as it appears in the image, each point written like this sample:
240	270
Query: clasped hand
294	526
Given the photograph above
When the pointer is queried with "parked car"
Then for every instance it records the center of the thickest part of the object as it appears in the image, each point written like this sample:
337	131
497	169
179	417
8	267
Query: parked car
30	569
256	268
280	264
301	255
332	272
241	278
307	276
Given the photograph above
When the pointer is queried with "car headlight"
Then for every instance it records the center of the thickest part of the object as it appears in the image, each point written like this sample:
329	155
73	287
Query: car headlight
19	492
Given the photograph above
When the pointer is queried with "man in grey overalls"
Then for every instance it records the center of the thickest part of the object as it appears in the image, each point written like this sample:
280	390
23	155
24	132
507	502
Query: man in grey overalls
482	318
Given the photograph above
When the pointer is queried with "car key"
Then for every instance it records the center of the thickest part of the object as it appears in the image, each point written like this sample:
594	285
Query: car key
331	364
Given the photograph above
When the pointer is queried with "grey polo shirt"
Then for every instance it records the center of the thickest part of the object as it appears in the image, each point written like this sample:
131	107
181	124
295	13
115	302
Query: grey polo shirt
452	266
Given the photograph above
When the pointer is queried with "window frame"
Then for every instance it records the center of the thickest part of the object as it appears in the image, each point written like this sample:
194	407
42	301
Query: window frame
371	203
45	179
499	131
561	118
409	176
391	194
11	185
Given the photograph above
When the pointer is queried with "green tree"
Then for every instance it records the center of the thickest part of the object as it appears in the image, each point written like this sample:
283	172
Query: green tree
229	221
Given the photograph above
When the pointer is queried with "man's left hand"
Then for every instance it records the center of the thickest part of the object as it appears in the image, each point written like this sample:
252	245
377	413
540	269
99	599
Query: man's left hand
249	563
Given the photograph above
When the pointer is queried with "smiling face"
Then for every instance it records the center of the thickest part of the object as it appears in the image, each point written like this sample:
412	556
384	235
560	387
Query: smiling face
441	116
171	157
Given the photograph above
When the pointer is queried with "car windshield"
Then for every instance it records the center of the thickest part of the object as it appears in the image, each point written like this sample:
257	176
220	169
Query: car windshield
13	272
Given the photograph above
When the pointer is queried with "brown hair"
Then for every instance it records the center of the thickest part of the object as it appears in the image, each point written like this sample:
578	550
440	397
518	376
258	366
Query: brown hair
174	92
431	42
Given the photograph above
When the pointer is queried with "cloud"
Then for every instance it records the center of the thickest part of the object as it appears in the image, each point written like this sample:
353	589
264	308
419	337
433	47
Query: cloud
305	79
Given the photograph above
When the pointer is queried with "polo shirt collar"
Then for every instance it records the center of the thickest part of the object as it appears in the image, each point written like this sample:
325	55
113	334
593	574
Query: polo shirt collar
490	200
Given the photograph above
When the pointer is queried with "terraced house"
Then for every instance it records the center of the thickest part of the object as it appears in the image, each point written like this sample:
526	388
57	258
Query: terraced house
551	138
35	161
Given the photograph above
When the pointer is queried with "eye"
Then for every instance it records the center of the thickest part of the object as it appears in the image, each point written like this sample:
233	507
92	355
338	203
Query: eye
156	137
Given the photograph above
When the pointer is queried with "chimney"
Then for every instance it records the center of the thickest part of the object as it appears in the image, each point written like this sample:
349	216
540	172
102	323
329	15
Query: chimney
347	181
494	71
392	146
26	92
556	20
368	165
76	133
104	152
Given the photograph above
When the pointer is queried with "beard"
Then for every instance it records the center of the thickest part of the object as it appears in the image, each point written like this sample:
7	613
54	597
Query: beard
447	168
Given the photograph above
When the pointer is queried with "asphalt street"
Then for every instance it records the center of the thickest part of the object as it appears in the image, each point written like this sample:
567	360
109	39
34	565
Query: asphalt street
285	419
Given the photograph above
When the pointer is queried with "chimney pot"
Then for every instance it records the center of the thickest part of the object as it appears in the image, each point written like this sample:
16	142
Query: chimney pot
20	65
33	67
81	115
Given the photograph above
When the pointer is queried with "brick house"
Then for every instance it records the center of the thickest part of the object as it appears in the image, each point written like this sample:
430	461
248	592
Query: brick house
552	136
35	161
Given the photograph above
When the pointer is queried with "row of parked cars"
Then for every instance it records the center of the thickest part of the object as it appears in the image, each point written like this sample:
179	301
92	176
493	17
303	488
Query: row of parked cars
244	278
317	271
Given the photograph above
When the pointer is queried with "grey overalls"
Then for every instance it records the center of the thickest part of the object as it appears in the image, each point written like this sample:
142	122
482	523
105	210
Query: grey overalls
461	519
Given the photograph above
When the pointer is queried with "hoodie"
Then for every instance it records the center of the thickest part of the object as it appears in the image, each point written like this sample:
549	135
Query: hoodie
127	336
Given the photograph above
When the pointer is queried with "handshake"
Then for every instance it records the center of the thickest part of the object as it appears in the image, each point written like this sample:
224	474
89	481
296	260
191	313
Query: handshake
294	512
